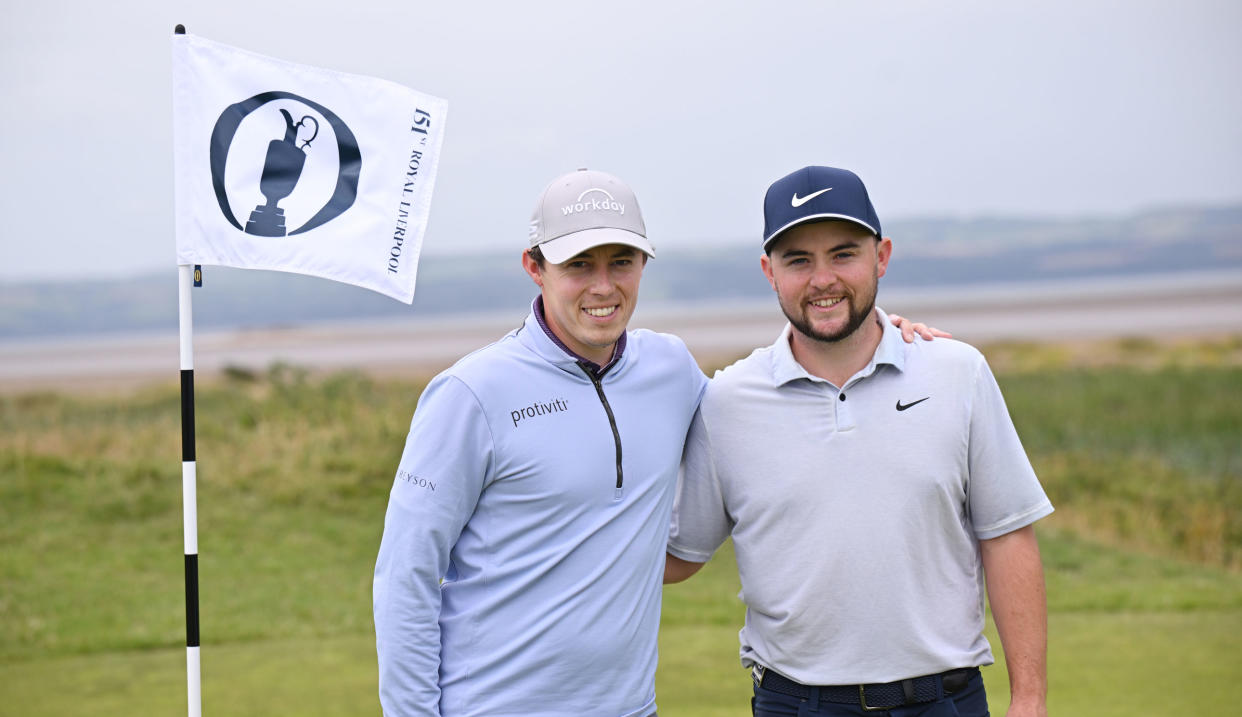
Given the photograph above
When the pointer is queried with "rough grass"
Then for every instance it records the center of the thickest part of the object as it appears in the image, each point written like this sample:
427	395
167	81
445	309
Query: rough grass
293	478
1148	458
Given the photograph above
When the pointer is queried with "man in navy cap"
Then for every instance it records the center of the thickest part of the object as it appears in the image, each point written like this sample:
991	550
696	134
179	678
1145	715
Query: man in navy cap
872	489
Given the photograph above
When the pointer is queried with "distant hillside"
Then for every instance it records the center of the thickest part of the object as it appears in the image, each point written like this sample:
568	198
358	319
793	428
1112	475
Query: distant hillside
928	252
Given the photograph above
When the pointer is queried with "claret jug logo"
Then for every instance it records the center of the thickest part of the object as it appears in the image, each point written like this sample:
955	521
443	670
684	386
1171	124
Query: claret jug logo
262	156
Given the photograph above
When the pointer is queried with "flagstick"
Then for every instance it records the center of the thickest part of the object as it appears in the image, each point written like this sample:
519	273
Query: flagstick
189	491
189	484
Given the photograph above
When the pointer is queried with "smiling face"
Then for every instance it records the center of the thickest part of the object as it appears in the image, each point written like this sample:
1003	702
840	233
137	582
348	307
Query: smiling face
825	275
589	299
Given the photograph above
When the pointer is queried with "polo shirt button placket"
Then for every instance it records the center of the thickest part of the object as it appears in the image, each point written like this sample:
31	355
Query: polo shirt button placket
845	416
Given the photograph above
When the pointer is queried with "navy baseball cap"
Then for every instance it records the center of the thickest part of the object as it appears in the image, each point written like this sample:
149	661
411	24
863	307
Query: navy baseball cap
816	194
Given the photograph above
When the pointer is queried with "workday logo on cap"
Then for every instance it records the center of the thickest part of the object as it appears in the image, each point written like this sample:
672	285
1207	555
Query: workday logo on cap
598	201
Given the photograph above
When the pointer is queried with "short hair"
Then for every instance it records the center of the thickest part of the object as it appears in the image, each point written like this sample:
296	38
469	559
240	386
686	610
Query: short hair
536	254
772	244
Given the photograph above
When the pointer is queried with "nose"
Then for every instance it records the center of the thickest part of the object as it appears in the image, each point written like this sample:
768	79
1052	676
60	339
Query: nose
601	280
823	276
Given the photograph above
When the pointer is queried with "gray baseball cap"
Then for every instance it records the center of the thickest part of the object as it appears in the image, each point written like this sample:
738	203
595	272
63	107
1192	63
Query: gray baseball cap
585	209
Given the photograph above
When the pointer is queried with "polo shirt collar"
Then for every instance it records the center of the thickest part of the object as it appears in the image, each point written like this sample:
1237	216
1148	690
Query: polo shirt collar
891	351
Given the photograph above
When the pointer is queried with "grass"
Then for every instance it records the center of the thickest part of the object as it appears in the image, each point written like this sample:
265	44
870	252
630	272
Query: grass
1149	458
292	481
1107	657
1137	444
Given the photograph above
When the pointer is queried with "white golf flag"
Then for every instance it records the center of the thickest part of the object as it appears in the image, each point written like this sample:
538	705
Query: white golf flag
294	168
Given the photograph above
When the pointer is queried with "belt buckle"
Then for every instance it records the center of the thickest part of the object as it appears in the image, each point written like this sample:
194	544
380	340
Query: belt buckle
756	673
862	702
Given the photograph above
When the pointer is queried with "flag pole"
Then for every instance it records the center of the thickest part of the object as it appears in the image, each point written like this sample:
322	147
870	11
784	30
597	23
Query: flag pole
187	277
189	490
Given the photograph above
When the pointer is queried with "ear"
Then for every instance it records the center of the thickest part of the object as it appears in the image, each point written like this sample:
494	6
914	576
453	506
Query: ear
532	269
765	263
884	252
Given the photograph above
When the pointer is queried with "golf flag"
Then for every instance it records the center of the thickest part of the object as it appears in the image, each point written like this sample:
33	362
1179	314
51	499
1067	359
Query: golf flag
293	168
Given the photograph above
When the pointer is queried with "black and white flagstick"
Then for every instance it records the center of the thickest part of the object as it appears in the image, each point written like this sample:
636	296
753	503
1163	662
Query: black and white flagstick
189	490
187	277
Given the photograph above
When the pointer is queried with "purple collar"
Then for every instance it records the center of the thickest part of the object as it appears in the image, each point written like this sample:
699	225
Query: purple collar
586	363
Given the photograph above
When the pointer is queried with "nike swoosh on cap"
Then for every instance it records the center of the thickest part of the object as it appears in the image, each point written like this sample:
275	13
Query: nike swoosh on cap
797	202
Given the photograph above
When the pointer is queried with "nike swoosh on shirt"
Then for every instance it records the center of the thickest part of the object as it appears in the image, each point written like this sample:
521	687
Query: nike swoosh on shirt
900	407
797	202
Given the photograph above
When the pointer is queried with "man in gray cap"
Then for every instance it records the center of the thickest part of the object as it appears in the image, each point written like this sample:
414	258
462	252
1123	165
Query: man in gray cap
520	567
521	563
871	488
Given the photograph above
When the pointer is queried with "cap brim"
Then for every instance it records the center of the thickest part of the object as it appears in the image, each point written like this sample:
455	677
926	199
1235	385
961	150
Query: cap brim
816	218
562	249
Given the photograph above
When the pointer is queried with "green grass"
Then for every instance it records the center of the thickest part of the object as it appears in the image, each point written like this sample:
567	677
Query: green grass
1129	653
293	478
1143	555
1137	457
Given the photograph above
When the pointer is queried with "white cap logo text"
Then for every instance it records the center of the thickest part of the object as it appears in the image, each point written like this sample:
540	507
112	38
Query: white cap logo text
594	203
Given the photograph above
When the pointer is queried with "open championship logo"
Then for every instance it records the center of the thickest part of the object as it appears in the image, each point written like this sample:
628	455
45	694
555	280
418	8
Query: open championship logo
283	165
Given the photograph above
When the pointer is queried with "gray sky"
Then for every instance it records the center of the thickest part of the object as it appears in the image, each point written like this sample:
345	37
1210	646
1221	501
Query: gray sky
1061	107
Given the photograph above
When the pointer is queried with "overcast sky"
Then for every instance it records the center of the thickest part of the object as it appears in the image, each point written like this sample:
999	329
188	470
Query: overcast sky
1058	107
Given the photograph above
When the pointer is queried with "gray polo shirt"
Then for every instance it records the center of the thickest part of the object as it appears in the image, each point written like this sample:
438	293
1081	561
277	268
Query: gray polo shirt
856	512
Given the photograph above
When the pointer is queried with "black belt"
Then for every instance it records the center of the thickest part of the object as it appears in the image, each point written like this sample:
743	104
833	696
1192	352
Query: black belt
880	696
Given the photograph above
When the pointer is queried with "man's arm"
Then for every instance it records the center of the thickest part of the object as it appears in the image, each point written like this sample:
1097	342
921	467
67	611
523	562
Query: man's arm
676	569
1015	582
699	523
438	484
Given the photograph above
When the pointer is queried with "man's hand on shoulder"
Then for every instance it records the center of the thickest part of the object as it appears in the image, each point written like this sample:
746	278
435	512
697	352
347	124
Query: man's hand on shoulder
909	329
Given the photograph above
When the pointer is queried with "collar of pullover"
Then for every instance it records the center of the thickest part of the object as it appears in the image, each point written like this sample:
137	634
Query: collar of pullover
588	365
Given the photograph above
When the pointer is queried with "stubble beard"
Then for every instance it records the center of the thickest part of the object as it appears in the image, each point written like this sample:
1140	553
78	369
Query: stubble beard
857	315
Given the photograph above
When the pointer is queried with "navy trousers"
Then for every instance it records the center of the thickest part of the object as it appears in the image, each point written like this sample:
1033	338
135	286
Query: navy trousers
971	701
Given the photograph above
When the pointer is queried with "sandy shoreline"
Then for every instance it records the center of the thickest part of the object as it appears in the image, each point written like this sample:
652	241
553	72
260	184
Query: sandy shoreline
1177	307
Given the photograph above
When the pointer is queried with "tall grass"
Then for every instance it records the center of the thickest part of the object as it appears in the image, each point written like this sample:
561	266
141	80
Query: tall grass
293	477
1143	458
